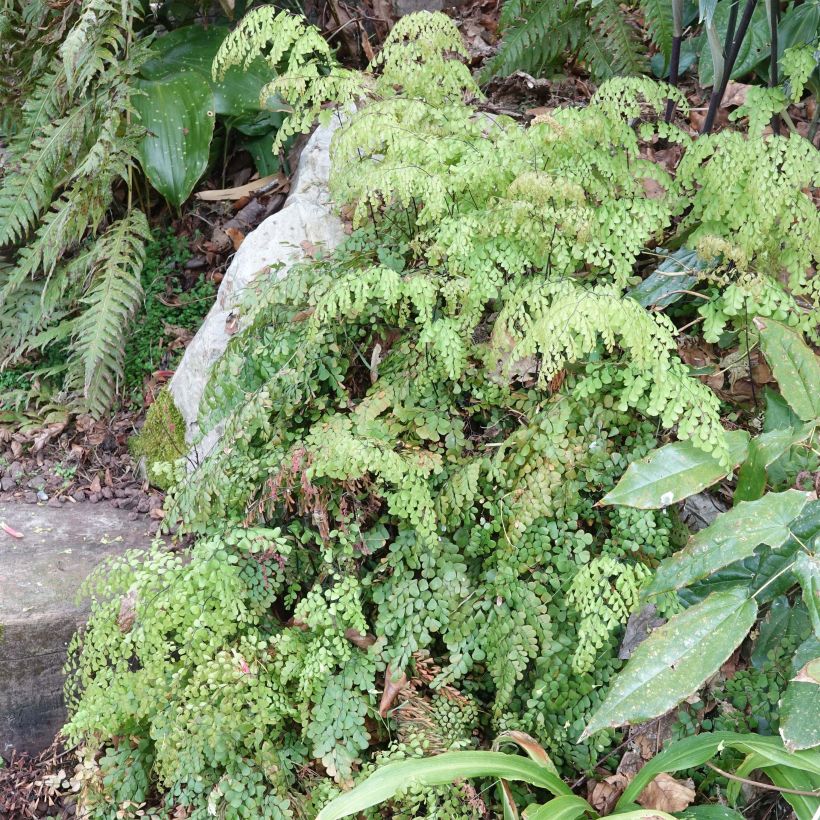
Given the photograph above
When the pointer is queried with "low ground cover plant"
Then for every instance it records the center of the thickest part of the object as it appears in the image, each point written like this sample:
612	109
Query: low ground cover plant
445	484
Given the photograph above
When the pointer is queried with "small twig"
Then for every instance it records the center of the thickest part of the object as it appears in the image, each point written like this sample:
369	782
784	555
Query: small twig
758	785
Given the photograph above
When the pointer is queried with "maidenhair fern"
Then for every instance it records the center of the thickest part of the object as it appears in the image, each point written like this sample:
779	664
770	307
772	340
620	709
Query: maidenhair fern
74	251
418	430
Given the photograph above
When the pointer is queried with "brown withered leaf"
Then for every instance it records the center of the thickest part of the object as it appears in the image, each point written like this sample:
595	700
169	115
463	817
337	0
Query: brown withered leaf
603	795
392	687
735	94
667	793
231	324
236	236
128	611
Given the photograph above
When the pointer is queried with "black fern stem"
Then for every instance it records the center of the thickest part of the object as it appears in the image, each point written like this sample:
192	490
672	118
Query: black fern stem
673	75
674	59
737	41
730	27
774	15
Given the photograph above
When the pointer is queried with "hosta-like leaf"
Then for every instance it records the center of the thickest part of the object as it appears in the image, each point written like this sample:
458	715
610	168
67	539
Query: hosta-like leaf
805	807
178	114
794	365
714	812
807	570
438	771
674	472
694	751
675	660
800	709
733	536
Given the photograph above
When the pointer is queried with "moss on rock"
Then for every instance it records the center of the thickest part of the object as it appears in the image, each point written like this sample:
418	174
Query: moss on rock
162	438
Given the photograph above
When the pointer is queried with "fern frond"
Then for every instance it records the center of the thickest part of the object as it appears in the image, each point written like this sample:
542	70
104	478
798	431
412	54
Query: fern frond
28	190
96	42
657	16
113	298
535	32
612	47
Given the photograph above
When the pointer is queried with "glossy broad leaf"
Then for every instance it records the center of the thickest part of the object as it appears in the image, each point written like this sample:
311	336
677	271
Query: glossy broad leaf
674	472
782	623
675	660
794	365
192	49
807	570
733	536
755	47
767	570
764	450
800	709
178	115
664	285
438	771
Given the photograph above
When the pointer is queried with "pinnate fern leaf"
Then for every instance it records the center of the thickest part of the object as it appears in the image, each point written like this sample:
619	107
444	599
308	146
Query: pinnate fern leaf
112	300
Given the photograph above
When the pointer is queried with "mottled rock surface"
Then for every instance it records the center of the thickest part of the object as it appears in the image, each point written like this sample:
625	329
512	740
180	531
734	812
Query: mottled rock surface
307	217
40	575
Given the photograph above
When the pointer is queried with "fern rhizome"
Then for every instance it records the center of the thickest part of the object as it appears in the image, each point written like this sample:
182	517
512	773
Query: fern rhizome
418	428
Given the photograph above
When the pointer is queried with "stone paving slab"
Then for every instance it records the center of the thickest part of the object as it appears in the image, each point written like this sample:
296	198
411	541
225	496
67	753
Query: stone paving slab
40	575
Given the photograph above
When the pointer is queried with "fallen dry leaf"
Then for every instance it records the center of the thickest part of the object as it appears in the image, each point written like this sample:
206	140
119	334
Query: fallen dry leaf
391	690
666	793
237	237
735	94
604	794
239	191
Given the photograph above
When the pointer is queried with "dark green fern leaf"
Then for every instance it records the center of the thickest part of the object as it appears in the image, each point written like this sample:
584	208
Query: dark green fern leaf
27	191
619	50
112	300
529	35
658	21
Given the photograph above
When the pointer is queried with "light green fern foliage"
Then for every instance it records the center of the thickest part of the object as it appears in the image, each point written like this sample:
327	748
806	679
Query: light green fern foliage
754	221
75	264
417	430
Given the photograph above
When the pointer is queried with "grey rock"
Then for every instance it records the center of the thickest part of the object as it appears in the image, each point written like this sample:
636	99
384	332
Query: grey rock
30	497
7	483
307	216
40	575
36	483
403	7
15	469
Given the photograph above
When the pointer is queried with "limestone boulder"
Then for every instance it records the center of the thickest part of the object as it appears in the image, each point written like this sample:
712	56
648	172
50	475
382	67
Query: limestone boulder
307	219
